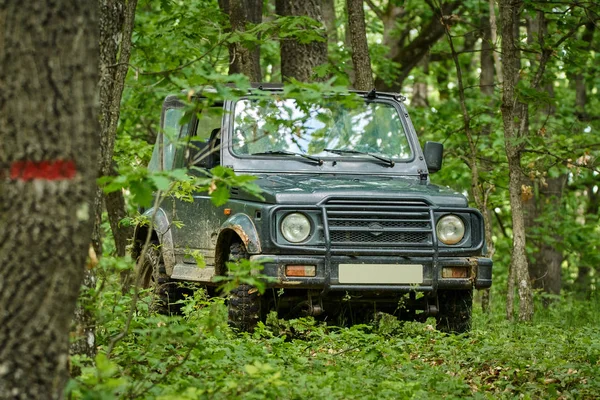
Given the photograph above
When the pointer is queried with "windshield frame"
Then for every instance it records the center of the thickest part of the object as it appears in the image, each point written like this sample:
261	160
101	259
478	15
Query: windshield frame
355	164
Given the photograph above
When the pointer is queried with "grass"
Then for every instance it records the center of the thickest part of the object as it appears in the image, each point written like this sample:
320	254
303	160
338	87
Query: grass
197	356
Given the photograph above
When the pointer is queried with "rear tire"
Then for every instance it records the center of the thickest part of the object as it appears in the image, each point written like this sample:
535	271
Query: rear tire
455	308
245	305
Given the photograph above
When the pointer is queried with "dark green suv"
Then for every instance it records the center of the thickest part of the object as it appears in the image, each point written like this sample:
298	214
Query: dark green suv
348	223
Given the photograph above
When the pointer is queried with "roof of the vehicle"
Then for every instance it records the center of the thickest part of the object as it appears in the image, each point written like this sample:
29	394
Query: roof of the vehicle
278	87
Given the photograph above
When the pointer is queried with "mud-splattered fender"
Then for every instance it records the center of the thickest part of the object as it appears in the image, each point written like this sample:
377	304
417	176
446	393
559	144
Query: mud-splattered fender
244	227
162	227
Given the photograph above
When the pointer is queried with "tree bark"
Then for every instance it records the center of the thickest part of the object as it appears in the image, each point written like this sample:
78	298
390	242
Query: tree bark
494	40
116	26
360	49
243	58
298	60
329	18
486	86
512	121
486	79
420	93
48	135
545	269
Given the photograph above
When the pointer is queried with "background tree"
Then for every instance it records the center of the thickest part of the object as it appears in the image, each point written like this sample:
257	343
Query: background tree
360	49
514	130
298	59
244	56
48	130
116	27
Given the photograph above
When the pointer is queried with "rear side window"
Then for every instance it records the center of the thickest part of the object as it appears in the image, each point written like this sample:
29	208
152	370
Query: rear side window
204	147
164	150
171	130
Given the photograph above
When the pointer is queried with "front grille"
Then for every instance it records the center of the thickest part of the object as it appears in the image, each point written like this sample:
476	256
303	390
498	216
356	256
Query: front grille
379	223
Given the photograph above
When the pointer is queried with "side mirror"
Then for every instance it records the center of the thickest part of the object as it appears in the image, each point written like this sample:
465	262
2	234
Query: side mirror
434	154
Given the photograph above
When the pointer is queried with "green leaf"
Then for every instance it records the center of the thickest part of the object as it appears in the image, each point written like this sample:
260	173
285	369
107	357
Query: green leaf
161	182
142	193
220	196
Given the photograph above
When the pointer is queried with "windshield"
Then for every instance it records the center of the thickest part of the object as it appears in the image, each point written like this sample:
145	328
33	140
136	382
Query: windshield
289	126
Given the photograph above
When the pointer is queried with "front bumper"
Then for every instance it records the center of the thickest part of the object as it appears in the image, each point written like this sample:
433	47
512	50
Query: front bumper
479	272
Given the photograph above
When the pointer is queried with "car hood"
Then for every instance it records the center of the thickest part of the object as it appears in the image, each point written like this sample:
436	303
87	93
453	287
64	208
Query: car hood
303	189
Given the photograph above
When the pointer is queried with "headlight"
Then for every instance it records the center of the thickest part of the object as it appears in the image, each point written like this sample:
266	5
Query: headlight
295	228
450	229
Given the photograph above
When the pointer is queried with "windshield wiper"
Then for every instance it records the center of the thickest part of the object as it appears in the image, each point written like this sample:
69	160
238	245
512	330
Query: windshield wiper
388	161
288	153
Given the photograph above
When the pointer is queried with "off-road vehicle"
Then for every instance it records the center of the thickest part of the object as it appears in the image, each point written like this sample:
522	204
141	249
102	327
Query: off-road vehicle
348	224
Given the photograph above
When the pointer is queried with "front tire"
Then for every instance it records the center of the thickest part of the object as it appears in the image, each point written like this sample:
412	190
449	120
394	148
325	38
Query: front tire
455	309
245	305
153	274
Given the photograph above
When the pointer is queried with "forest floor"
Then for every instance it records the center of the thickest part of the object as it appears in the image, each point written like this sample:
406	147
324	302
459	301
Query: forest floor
196	356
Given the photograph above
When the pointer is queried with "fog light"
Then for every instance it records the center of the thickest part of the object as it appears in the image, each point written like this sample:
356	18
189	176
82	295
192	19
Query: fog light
301	270
455	272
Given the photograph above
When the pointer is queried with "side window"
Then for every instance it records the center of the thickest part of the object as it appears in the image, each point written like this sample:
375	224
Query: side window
170	134
205	147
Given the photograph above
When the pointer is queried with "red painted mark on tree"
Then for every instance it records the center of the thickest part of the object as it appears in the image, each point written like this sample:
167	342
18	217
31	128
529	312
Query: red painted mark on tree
45	170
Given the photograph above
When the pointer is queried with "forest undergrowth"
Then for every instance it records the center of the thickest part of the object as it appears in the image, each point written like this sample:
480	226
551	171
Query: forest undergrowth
197	356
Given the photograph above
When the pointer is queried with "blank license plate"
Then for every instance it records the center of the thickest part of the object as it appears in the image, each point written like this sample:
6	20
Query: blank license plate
381	273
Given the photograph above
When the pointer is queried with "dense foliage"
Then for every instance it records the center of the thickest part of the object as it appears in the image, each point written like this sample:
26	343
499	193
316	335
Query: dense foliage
196	356
179	47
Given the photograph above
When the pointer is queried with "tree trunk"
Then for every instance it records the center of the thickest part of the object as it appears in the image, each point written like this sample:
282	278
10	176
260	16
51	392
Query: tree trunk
582	282
298	60
360	49
494	40
116	26
486	82
329	18
48	130
509	13
243	58
420	91
545	270
486	79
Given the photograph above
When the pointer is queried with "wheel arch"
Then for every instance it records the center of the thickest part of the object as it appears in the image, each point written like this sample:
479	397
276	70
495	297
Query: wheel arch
161	232
238	229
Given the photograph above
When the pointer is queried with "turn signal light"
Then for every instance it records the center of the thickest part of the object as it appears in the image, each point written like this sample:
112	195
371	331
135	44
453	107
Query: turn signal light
455	272
301	270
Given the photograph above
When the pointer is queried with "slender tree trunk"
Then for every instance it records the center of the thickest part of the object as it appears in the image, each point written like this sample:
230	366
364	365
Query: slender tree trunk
298	60
582	281
486	79
48	146
545	270
420	92
486	82
117	19
509	14
329	17
360	49
349	68
244	58
116	26
494	40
